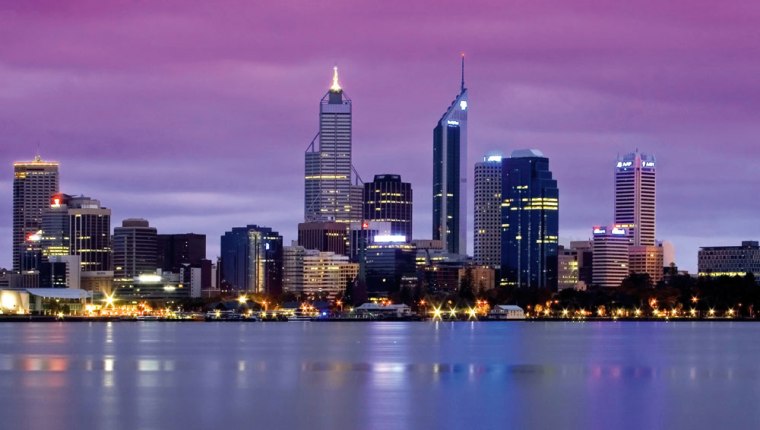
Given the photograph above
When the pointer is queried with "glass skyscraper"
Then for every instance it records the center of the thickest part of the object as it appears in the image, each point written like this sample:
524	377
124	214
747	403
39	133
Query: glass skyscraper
389	199
530	221
251	260
450	175
328	170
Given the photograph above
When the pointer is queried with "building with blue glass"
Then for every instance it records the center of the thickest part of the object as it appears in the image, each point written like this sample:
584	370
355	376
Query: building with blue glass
251	260
530	221
450	175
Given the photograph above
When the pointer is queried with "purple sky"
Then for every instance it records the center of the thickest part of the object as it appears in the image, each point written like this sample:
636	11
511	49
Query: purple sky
195	114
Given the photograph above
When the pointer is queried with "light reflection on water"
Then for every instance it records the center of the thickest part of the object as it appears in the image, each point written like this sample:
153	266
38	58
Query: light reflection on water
380	375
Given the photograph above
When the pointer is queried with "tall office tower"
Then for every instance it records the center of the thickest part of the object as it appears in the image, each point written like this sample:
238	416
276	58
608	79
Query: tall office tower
90	233
34	182
450	175
610	256
530	221
176	250
487	213
635	197
134	249
78	226
386	198
251	260
328	187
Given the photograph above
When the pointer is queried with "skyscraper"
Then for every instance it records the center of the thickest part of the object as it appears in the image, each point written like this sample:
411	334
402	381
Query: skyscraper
450	175
34	182
176	250
134	249
328	186
251	259
530	220
635	197
78	226
487	212
389	199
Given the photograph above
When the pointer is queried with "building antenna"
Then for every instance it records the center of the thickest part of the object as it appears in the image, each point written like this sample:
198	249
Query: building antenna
462	72
37	156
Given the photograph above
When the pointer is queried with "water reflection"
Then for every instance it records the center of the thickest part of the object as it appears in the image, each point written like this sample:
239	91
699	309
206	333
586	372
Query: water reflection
379	375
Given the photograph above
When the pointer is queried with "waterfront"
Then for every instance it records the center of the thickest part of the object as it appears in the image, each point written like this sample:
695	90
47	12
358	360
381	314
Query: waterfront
380	375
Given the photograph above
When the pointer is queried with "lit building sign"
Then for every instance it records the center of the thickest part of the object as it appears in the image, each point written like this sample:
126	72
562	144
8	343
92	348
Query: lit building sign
35	237
625	163
600	230
390	238
647	164
496	158
618	231
463	104
451	122
149	278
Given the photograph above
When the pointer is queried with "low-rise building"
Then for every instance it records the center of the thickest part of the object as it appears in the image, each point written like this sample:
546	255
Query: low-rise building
729	260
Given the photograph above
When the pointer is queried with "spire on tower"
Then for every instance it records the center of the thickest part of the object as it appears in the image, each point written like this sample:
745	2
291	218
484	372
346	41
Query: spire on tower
462	71
335	85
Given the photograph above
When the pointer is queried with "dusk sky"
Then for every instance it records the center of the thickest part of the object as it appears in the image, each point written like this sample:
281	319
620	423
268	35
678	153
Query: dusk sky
195	115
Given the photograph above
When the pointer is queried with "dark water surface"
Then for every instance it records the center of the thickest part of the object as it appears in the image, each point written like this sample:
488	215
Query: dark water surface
159	375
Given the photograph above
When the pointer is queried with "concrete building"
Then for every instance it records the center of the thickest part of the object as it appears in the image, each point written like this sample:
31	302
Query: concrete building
450	175
635	194
134	249
567	268
646	260
388	199
487	212
729	260
316	273
584	250
34	183
610	256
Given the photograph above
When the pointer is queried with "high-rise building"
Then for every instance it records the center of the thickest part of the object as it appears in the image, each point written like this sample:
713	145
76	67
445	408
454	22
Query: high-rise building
450	175
635	197
530	221
251	260
78	226
328	187
388	199
730	260
487	212
134	249
610	256
34	183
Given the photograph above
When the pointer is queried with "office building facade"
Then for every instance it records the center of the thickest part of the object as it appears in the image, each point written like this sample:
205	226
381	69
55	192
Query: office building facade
530	221
388	199
34	183
450	175
610	256
329	194
635	194
487	212
251	260
134	249
717	261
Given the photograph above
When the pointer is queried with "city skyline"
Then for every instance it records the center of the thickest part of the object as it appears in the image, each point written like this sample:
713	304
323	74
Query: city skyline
620	95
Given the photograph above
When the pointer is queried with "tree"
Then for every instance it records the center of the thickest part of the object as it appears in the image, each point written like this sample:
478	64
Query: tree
465	286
